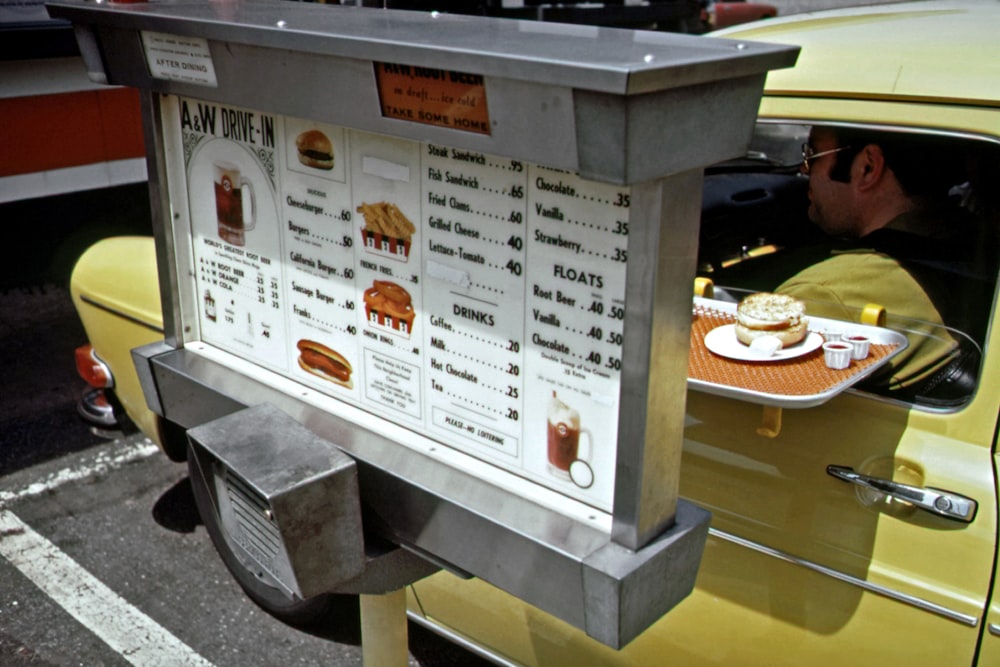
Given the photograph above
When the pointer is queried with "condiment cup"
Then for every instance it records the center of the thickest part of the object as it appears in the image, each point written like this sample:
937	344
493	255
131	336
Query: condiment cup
837	355
860	345
832	336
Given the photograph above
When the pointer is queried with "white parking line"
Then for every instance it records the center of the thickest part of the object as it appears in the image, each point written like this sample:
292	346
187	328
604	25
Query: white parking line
106	459
121	626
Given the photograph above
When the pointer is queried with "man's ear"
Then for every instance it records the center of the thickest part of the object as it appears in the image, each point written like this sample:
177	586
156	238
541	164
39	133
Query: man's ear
869	166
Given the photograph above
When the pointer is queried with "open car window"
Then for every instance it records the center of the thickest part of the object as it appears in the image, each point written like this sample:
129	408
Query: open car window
756	235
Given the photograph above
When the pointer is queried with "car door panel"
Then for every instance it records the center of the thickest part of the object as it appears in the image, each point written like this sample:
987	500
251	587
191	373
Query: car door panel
799	566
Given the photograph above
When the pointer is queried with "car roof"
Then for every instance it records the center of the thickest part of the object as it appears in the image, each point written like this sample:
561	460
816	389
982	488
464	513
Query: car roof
927	51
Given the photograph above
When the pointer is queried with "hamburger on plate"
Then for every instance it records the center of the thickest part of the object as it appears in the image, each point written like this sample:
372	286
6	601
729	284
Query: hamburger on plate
767	314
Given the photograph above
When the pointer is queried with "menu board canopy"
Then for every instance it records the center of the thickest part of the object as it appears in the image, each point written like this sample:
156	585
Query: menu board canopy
460	249
609	104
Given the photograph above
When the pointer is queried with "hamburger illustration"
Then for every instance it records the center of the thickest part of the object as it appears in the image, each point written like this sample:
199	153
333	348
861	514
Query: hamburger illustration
321	361
315	149
767	314
388	305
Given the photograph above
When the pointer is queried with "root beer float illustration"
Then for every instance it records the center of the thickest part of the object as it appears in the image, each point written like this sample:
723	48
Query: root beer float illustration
386	231
563	435
230	186
389	305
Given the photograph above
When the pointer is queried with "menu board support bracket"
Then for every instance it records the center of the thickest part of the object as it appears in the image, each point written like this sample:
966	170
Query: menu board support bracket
655	356
770	425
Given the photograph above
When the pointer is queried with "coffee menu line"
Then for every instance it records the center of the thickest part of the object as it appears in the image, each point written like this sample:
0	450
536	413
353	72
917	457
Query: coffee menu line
475	299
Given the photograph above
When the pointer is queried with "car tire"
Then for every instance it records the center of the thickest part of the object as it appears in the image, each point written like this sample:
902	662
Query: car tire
296	612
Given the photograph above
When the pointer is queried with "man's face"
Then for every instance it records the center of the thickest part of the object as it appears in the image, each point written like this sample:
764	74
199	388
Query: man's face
830	202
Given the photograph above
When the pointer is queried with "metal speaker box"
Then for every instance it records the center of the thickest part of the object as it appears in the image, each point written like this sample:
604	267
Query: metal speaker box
287	501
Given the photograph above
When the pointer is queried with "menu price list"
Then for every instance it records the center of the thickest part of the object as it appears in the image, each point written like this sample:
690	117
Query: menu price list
475	221
476	299
242	298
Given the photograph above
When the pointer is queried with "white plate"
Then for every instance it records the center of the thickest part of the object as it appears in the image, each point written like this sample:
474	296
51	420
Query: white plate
722	341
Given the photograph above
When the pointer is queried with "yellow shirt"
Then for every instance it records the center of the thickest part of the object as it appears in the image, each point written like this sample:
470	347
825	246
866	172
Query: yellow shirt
839	287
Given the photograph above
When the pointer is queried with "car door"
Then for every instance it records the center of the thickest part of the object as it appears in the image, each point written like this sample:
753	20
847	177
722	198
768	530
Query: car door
811	559
801	566
989	650
818	564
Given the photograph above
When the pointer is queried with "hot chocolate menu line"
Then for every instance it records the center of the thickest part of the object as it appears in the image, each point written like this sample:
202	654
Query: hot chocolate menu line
472	298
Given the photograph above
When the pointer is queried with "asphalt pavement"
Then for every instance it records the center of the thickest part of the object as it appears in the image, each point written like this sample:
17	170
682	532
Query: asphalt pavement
38	332
104	561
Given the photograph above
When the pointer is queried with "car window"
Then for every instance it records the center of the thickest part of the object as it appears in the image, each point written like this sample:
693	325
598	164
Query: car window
933	266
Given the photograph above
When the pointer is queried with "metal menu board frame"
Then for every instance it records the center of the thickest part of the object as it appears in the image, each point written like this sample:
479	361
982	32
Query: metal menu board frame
461	250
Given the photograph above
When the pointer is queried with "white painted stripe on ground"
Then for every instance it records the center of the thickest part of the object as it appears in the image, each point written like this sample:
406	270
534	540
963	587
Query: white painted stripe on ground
105	460
121	626
103	612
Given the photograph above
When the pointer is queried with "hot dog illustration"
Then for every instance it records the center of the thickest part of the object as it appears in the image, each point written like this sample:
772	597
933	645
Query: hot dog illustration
323	362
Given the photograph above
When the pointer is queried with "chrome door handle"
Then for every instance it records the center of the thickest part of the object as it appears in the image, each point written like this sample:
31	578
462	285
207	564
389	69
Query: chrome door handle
943	503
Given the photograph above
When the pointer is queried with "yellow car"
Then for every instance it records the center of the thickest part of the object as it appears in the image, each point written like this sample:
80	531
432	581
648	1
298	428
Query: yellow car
862	531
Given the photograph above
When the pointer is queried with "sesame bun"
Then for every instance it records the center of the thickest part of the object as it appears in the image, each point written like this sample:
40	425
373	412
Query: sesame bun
315	149
767	314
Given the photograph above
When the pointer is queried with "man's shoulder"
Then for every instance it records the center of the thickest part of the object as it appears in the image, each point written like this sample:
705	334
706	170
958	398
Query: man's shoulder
847	265
927	234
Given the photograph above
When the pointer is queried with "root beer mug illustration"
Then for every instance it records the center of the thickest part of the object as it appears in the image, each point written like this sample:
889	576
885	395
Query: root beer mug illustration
565	458
230	187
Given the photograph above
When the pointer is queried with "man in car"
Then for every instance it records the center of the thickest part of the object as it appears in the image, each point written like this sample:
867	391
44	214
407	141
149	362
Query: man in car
900	243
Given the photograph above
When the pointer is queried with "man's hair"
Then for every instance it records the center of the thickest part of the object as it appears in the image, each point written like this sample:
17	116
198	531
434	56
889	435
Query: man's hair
925	165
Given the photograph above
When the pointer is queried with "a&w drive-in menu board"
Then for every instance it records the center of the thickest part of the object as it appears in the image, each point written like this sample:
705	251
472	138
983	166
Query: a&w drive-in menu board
474	299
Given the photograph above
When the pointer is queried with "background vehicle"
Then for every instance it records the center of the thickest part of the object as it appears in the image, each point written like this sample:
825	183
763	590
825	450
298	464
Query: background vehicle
800	566
718	15
689	16
67	147
670	15
60	131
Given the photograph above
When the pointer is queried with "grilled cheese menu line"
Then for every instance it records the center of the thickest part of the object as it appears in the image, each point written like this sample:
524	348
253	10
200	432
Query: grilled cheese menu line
475	299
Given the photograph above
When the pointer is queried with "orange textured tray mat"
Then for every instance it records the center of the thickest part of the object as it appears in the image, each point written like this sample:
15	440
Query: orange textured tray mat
802	376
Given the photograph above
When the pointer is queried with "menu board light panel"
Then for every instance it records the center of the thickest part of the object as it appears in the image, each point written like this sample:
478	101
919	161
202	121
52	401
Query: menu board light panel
473	299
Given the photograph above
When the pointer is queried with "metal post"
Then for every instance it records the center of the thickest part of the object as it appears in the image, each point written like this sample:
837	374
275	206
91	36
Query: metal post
384	641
